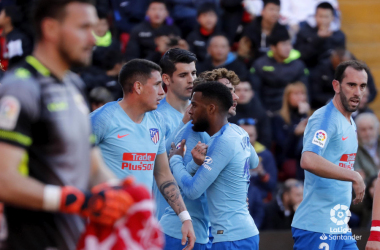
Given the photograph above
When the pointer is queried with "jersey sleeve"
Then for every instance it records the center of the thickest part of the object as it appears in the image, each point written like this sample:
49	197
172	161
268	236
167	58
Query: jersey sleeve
219	154
319	131
254	158
19	110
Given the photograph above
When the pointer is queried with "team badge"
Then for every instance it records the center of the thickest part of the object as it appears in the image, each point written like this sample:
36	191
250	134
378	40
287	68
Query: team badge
154	135
9	112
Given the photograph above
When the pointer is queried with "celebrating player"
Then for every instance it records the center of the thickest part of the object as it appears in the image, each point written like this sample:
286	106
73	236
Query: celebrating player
46	156
131	135
224	172
329	149
178	74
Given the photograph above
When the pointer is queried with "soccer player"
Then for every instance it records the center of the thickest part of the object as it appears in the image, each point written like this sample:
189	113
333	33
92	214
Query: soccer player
131	135
178	74
329	149
224	171
47	162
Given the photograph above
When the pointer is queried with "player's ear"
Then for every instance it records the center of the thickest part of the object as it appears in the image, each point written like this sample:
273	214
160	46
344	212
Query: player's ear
137	87
336	86
50	29
211	108
166	79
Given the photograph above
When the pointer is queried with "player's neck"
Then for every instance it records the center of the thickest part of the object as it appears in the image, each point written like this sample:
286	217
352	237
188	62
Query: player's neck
217	125
51	59
339	106
179	104
132	109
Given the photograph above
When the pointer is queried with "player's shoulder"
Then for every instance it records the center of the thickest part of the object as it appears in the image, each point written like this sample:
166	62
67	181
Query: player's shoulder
104	113
326	114
157	118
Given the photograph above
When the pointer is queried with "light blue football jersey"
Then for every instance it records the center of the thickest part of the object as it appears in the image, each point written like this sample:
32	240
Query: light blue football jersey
197	208
326	202
129	148
224	176
172	119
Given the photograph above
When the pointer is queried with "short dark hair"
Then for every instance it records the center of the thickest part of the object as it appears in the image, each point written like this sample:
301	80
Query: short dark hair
206	7
216	91
136	70
279	36
53	9
158	1
102	14
173	56
326	6
276	2
355	64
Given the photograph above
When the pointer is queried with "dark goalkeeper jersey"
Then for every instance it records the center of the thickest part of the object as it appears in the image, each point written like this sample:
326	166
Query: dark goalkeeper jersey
49	119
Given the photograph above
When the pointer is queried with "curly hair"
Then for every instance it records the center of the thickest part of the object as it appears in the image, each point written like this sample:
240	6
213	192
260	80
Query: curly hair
216	74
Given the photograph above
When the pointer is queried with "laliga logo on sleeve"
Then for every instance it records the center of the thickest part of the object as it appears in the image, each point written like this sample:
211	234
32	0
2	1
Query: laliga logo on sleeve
208	160
319	138
340	215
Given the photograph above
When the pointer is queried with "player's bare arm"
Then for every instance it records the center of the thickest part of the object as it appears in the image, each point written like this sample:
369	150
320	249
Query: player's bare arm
16	189
374	238
99	171
320	166
170	191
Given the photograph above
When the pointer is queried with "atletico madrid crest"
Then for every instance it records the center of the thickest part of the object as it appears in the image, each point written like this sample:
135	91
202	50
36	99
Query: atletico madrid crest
154	135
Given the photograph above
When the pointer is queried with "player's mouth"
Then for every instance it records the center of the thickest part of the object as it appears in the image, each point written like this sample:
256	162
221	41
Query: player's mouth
354	102
190	89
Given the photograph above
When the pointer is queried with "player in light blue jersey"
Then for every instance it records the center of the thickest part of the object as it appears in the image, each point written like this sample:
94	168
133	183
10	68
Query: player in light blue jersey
178	74
131	136
329	149
197	208
224	173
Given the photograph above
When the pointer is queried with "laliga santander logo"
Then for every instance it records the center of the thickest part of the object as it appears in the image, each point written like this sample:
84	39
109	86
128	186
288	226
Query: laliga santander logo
320	136
340	215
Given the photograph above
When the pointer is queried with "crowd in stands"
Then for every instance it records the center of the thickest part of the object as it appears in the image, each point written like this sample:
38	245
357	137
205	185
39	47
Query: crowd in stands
284	52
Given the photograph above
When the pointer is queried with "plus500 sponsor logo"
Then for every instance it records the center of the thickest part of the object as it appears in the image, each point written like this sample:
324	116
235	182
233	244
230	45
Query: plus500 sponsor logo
138	161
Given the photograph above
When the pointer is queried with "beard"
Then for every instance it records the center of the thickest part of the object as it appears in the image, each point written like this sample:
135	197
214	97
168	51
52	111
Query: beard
65	51
345	102
201	125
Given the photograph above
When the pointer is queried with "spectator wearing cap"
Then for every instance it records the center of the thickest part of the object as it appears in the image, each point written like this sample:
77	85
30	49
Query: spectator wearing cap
98	97
198	39
272	72
264	177
249	106
150	39
19	43
367	161
288	126
314	43
257	33
220	56
104	40
279	213
322	76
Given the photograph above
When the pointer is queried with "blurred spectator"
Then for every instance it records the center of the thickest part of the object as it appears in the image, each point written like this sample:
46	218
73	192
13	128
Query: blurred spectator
98	97
321	79
104	40
367	161
232	17
221	57
198	39
363	105
279	212
288	127
150	39
314	43
256	205
128	13
264	177
249	106
19	44
184	13
262	27
275	70
105	75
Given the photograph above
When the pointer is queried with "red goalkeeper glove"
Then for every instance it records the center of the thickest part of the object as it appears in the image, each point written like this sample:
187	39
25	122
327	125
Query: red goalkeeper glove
104	205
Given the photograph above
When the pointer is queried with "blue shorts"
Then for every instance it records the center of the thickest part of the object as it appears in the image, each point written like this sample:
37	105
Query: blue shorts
251	243
307	240
175	244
